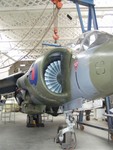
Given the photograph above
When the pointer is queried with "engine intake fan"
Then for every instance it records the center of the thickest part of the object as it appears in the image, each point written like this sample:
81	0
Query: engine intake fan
53	77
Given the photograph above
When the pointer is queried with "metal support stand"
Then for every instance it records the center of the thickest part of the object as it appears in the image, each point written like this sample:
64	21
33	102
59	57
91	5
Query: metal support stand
109	119
92	20
66	135
80	119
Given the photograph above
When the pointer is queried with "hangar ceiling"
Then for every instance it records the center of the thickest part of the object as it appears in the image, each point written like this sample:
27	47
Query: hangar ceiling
26	24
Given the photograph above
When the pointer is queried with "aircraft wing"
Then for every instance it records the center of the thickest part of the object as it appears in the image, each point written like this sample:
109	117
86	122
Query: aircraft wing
8	84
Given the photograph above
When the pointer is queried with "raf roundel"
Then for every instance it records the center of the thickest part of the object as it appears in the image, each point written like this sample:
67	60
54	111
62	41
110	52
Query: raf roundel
33	75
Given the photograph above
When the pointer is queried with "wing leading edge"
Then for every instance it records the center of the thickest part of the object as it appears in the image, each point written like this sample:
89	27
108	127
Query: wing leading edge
8	84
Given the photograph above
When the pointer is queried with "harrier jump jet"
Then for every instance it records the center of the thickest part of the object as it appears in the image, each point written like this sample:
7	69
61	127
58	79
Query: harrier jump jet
63	78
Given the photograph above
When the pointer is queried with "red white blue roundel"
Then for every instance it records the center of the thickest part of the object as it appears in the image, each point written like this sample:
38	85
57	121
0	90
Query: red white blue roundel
33	75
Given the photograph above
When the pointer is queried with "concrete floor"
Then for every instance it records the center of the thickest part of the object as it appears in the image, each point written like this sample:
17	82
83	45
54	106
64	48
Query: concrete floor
15	136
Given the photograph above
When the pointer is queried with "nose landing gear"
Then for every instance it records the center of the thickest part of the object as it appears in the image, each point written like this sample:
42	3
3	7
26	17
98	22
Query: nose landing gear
66	136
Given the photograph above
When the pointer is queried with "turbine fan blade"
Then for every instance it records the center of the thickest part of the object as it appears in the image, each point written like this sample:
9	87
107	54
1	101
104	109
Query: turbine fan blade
51	77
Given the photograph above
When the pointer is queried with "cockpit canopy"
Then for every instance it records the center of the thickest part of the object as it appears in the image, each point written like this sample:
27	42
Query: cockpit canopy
88	40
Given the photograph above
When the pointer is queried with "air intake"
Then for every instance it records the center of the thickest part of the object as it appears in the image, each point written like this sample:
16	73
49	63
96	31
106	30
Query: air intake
53	77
